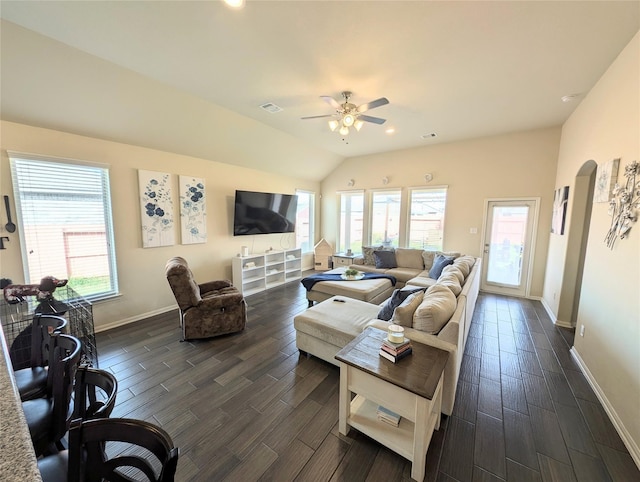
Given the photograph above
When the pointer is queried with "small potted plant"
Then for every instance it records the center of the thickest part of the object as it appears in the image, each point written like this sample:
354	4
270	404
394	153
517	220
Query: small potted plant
351	273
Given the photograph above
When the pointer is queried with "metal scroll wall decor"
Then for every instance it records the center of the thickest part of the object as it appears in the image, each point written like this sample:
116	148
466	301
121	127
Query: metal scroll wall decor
624	205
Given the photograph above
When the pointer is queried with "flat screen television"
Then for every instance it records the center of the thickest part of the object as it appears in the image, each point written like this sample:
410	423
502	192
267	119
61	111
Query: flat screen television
264	213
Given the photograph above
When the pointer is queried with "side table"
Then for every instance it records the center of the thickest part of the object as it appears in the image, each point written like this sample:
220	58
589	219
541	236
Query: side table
412	388
342	259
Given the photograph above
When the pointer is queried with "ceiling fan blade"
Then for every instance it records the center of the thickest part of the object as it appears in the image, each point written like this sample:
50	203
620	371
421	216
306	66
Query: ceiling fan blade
373	104
375	120
318	116
331	101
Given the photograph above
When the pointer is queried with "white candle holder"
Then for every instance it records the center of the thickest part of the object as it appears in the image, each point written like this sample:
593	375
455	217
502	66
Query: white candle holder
395	333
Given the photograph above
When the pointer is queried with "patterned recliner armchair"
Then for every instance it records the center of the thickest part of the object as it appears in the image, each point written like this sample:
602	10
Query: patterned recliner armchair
209	309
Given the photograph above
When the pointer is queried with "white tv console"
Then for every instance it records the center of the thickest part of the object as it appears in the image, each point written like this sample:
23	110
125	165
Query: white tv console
260	272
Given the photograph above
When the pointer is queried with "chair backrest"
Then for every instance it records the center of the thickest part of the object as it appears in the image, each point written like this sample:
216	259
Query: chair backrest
183	285
94	393
63	362
88	459
41	329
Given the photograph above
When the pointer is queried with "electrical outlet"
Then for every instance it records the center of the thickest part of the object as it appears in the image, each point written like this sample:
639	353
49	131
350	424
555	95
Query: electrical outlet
473	230
581	330
554	296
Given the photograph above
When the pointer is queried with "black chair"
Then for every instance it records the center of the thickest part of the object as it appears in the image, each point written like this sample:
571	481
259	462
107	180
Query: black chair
87	459
48	418
94	394
33	382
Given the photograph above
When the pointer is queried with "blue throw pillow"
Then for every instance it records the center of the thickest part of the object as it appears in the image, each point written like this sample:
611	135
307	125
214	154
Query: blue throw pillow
398	296
439	264
385	259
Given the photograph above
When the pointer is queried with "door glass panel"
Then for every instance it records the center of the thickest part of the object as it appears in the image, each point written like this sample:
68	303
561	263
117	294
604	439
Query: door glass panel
508	234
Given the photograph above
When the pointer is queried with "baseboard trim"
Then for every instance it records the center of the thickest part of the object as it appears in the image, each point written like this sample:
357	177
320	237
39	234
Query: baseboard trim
628	441
552	315
133	319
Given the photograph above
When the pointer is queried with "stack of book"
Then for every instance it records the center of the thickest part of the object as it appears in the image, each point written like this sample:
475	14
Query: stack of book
395	351
387	416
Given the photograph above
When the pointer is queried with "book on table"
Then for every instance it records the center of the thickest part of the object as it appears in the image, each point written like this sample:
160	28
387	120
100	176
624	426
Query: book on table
387	416
396	347
395	358
393	352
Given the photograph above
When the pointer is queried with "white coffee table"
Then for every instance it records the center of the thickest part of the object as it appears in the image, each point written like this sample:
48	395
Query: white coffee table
411	388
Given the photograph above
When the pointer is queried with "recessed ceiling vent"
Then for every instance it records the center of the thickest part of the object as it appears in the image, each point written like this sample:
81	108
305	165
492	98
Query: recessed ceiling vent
271	108
429	136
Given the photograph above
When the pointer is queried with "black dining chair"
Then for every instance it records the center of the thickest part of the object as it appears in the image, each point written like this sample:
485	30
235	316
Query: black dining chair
92	458
32	381
94	393
48	417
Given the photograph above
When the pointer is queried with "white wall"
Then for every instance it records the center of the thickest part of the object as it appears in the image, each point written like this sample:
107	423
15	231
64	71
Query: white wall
143	286
521	164
605	126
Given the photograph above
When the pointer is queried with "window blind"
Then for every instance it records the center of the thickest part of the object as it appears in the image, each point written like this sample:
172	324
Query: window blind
64	216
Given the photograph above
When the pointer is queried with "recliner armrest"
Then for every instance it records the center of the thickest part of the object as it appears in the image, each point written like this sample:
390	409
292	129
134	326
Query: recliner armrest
214	285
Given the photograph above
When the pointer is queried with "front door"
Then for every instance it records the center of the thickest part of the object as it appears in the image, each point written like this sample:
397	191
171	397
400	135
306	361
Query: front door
508	239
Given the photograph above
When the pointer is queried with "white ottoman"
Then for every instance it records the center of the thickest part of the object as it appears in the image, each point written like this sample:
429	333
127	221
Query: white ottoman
370	290
324	329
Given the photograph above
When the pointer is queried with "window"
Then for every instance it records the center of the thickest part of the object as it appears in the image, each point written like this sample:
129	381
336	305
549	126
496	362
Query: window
385	218
351	221
305	220
426	218
64	214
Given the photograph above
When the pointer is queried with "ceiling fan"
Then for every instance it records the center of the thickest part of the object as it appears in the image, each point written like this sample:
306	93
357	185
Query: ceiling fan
350	115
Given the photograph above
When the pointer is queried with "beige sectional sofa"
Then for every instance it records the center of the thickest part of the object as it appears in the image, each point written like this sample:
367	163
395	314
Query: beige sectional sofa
327	327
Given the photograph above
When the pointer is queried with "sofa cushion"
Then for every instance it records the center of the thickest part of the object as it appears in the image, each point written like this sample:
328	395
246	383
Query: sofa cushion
422	280
409	258
403	274
465	260
403	314
454	254
439	263
451	281
427	259
463	266
396	299
385	259
367	254
452	269
435	310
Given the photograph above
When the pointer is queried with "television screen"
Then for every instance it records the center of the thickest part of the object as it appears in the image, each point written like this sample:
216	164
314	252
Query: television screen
264	213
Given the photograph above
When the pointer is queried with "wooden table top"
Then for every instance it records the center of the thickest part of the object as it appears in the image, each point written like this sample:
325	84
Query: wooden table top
418	373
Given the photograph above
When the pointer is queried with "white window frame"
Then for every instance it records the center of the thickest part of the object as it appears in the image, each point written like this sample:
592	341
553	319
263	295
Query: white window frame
102	171
434	189
312	220
369	227
347	241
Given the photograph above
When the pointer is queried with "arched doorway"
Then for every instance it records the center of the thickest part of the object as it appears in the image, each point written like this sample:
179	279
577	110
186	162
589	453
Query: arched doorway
577	244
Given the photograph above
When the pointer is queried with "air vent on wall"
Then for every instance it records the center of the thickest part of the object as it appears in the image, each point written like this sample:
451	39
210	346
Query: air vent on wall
271	107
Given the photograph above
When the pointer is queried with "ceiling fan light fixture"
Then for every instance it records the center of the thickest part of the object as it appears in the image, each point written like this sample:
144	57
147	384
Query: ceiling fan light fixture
344	130
358	125
348	120
333	125
237	4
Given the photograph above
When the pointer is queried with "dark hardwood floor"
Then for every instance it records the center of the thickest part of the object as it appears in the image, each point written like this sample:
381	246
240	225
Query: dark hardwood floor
248	407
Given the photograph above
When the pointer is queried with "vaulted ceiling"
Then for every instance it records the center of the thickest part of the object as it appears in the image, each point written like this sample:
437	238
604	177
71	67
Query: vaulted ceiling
457	69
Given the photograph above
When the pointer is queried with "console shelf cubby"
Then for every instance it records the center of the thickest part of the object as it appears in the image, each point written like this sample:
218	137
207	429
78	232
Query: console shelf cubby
260	272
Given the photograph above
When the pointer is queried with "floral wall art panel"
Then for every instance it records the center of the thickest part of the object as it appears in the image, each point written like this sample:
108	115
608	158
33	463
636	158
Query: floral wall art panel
193	210
606	177
158	227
